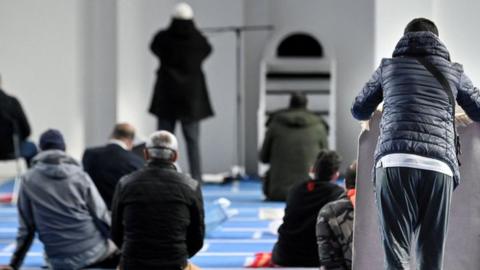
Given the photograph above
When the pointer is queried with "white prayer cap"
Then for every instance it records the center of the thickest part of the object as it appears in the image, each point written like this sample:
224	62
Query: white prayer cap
183	11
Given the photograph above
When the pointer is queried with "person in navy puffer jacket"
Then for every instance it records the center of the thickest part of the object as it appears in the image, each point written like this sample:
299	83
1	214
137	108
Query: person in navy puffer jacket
416	162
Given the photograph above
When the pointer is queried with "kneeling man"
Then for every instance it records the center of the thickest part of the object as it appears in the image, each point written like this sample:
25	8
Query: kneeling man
157	212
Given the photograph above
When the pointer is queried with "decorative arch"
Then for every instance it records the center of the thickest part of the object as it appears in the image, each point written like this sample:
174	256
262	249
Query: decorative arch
300	45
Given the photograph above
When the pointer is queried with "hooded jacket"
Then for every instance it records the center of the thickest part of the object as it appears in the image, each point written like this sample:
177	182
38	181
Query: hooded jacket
417	115
181	90
293	140
59	201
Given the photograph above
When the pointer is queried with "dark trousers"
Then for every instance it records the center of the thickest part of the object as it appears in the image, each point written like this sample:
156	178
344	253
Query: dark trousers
191	132
413	203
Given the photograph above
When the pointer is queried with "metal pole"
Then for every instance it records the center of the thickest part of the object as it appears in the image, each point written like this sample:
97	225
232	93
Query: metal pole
240	93
239	101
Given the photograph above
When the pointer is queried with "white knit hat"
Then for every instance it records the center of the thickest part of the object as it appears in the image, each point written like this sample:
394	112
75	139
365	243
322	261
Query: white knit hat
183	11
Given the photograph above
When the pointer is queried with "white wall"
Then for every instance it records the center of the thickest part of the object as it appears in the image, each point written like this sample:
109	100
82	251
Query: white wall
458	26
391	17
256	13
137	22
42	59
100	70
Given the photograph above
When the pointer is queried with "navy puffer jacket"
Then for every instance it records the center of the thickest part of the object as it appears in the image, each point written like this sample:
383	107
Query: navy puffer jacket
417	116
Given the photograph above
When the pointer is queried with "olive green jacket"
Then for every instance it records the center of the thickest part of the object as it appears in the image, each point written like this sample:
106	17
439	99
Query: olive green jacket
292	142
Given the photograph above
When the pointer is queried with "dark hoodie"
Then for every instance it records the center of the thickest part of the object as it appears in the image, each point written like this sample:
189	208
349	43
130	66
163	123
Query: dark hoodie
293	139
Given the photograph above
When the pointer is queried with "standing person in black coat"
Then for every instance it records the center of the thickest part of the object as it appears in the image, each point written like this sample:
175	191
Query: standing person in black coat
107	164
13	121
157	212
180	90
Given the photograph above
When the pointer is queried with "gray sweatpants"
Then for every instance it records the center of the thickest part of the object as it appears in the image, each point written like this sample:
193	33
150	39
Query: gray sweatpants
413	203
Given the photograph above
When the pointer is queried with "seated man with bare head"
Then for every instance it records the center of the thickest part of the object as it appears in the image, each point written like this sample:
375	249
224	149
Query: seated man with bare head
107	164
157	212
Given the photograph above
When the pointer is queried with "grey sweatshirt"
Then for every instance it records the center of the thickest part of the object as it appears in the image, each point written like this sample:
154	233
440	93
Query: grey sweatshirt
59	201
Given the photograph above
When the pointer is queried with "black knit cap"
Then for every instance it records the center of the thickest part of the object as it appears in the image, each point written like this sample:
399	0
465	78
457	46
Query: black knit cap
52	139
421	24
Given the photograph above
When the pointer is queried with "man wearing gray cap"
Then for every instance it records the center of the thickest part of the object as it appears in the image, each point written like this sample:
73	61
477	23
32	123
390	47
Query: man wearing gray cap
157	212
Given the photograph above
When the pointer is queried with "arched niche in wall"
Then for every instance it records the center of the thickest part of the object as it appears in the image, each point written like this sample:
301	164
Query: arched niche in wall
297	60
300	45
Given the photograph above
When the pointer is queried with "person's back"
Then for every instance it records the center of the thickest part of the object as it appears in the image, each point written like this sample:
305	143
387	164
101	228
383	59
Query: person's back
107	164
59	202
56	187
296	245
417	117
293	139
12	120
334	228
158	217
335	235
417	148
181	47
181	90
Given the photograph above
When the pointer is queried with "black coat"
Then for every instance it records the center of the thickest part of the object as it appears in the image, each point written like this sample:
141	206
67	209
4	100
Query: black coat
12	119
297	243
417	116
106	165
157	218
180	90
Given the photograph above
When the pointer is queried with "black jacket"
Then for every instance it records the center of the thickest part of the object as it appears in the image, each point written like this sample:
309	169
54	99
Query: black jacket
181	90
12	119
157	218
417	116
297	245
106	165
